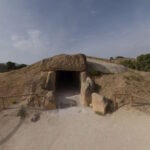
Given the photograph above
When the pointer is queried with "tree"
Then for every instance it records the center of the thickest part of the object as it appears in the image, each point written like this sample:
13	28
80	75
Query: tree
143	62
20	66
10	66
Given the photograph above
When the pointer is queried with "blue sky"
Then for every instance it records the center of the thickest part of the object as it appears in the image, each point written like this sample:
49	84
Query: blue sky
34	29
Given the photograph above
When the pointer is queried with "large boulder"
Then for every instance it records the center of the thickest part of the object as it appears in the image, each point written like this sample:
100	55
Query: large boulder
64	62
99	103
104	67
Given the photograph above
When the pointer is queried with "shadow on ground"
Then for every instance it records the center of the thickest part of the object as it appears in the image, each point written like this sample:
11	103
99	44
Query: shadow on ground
13	131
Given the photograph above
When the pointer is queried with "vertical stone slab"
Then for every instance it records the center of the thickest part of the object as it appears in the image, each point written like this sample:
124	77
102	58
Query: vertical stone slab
86	89
50	81
43	79
49	102
83	76
85	94
82	90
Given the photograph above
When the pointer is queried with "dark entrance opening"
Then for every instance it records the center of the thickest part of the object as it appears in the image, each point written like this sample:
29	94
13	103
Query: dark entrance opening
67	80
67	88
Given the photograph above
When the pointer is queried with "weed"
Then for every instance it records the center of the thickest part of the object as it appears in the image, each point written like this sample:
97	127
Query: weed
94	73
14	102
22	112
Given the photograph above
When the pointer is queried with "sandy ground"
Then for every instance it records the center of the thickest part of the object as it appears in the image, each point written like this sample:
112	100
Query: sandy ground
76	128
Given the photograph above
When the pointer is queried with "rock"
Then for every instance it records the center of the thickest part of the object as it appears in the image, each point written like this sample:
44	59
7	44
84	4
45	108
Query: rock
90	105
83	77
30	100
43	79
35	117
64	62
33	100
49	97
90	83
104	67
47	80
49	101
84	101
50	81
86	91
99	103
50	106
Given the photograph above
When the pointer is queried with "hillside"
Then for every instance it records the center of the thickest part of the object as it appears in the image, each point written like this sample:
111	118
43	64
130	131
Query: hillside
131	82
19	82
123	81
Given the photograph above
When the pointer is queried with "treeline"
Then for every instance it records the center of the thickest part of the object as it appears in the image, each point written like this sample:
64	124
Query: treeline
11	66
141	63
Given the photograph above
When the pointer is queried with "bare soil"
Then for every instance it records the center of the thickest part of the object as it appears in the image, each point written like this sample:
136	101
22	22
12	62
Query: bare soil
75	128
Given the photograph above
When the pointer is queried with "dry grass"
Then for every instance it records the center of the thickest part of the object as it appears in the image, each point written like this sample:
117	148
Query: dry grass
131	82
18	81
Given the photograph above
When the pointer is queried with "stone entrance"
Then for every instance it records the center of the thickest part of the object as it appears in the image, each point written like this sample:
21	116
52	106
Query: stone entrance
62	77
67	88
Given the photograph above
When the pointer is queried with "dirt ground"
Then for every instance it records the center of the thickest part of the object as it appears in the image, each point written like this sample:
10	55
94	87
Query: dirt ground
76	128
73	127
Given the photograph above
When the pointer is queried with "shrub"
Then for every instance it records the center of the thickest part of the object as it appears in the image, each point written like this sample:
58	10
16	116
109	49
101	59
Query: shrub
12	66
111	58
141	63
119	57
94	73
22	112
14	102
20	66
129	63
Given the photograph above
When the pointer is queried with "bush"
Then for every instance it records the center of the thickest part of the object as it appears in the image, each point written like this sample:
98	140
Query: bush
94	73
119	57
12	66
22	112
111	58
129	63
14	102
20	66
142	63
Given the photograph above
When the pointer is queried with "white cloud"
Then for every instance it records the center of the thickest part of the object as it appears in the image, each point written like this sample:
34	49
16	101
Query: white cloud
32	43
